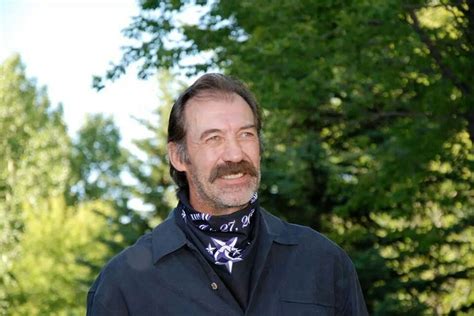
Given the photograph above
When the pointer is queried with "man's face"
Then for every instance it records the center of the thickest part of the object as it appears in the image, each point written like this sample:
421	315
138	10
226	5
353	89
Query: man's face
223	167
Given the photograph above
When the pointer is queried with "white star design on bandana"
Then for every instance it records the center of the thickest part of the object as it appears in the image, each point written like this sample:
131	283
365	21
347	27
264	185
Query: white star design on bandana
210	249
236	251
222	254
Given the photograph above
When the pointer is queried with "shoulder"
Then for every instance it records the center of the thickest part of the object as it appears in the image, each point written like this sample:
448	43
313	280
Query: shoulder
133	256
105	297
134	259
307	240
123	272
313	260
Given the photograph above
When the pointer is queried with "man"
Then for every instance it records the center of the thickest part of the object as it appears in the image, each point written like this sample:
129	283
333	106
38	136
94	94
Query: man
219	252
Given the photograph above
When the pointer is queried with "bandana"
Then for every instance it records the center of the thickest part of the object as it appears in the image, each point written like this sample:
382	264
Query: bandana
223	240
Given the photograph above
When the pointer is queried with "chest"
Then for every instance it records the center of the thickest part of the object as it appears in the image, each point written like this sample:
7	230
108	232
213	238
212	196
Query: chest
282	282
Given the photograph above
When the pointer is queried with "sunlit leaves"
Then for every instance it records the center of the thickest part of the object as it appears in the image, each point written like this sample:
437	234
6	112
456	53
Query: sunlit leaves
155	187
33	158
50	274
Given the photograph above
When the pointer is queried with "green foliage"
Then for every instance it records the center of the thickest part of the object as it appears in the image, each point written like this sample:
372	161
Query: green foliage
63	206
155	186
98	160
50	275
369	126
99	165
33	158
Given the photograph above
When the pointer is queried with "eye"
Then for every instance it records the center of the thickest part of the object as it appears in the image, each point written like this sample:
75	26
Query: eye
213	139
247	135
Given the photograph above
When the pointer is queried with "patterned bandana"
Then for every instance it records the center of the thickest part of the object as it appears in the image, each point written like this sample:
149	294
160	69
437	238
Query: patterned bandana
225	239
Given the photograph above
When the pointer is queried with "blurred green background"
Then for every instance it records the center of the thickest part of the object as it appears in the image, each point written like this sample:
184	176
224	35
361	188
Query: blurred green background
369	129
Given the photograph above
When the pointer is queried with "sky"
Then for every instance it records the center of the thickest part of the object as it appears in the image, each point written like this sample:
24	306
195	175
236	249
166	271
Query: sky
63	43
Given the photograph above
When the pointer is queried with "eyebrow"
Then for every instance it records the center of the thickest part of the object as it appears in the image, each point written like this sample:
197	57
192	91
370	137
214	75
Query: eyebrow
216	130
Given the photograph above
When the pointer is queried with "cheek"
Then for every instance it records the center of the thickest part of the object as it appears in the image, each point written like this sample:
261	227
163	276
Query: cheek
253	152
207	159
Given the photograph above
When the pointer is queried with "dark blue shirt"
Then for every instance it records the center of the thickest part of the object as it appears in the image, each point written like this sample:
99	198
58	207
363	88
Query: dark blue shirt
297	271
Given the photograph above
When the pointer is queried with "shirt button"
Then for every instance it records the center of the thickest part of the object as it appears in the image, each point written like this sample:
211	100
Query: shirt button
214	286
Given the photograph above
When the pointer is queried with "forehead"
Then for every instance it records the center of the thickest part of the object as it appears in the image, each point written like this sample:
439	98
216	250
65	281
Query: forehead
217	110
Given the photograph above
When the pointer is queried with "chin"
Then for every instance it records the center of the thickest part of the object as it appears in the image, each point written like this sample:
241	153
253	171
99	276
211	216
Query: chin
235	200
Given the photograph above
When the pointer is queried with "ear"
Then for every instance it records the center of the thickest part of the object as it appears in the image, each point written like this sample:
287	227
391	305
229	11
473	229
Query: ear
175	157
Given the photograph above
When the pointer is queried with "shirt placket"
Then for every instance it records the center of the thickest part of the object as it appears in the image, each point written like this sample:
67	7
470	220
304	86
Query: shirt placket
216	284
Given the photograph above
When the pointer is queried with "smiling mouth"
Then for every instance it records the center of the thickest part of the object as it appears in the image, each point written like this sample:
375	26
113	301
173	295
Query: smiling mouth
233	171
233	176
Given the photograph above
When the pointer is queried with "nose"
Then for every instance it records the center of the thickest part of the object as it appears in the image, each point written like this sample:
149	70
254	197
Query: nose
233	151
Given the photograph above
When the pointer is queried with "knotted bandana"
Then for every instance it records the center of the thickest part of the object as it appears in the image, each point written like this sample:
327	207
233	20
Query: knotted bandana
223	240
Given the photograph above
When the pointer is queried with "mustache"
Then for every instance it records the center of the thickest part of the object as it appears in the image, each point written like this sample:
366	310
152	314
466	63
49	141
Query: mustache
228	168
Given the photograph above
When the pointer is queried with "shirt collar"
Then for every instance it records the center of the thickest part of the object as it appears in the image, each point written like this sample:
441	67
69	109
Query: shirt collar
277	229
168	237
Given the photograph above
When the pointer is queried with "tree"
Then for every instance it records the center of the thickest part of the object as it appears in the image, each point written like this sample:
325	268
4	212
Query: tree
50	274
369	126
33	158
98	160
99	164
155	186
